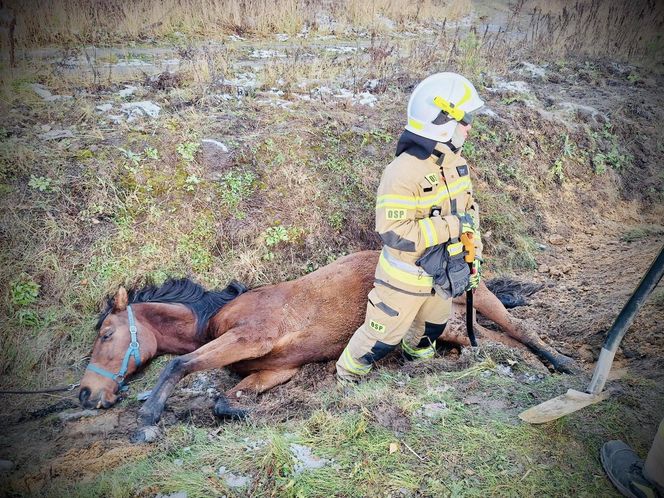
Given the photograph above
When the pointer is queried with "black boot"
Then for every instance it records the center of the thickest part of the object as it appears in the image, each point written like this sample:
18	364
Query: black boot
625	470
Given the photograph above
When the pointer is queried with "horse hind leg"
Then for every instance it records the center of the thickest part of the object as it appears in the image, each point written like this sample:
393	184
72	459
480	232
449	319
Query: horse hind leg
235	345
258	382
486	303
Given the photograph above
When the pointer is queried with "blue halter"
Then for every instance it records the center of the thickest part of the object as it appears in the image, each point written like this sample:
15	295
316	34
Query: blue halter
132	350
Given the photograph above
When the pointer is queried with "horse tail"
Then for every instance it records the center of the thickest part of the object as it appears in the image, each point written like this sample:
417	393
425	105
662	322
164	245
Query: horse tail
512	293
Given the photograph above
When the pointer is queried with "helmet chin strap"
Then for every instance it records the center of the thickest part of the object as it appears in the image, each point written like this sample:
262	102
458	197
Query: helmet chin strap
456	142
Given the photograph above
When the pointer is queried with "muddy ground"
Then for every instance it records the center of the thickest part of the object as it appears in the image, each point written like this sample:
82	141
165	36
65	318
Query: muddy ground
572	312
593	246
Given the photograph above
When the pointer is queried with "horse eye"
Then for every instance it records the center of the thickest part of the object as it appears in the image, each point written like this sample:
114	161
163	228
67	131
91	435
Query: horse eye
107	335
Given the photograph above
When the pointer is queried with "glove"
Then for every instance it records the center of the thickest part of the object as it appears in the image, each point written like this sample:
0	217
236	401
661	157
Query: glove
466	223
475	274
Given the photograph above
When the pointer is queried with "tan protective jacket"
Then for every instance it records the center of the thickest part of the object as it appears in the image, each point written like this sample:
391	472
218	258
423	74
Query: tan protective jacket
408	190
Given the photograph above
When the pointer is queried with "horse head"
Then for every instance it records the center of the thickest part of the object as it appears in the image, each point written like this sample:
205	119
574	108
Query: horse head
137	326
124	343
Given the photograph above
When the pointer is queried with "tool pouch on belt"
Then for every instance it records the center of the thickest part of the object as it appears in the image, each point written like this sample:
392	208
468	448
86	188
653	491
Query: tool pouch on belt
445	263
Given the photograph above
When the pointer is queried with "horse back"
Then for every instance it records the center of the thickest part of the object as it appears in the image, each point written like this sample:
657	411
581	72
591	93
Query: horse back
308	319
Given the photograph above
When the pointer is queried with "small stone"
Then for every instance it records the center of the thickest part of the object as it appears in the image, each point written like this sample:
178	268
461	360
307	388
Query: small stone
434	410
178	462
594	246
104	107
179	494
6	466
135	110
143	396
569	248
46	94
541	247
56	135
127	91
215	143
543	269
150	433
305	459
555	272
233	480
556	239
505	370
76	415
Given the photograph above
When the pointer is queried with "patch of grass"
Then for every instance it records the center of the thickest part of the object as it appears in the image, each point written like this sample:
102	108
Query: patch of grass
24	291
187	150
477	447
234	187
641	232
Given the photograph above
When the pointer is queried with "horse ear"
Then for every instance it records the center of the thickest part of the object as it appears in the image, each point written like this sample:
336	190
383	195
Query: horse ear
120	300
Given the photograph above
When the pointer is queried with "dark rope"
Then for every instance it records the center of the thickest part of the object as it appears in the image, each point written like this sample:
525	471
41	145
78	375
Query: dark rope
70	387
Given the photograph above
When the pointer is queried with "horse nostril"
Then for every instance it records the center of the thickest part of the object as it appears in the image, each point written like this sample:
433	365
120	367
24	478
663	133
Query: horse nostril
84	394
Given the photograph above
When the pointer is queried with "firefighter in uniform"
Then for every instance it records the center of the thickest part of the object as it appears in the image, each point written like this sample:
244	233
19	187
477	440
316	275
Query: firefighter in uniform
424	203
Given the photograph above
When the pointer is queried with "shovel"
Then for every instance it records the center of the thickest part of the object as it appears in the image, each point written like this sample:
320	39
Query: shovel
574	400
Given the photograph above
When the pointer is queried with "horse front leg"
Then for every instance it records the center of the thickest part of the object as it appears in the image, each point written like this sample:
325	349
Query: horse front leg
235	345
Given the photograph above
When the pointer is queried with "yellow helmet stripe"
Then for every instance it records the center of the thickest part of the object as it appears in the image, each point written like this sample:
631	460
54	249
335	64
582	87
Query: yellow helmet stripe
466	95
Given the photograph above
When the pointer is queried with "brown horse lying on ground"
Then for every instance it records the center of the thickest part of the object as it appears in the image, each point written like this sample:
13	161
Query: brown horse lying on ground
265	334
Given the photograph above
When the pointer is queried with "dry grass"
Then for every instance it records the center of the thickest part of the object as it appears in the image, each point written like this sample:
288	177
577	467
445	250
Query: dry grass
376	13
597	27
82	21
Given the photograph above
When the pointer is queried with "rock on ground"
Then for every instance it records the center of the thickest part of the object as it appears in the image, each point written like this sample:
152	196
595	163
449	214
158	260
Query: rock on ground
233	480
75	415
305	459
135	110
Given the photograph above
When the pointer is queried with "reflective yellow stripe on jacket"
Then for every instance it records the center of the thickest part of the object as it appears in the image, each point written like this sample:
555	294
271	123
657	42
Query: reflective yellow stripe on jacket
428	232
403	272
452	189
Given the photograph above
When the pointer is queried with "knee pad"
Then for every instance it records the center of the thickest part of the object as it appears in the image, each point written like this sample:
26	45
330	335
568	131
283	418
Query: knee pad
432	331
378	351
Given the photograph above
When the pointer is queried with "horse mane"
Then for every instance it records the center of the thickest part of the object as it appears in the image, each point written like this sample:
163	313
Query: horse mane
203	303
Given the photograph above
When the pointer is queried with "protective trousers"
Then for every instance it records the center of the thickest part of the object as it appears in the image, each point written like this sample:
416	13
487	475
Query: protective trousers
393	316
653	469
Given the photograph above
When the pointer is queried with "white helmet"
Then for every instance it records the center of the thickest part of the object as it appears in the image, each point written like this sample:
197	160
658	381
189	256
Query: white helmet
440	102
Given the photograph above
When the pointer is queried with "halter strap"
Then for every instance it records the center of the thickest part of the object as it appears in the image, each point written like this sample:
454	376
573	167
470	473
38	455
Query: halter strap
132	350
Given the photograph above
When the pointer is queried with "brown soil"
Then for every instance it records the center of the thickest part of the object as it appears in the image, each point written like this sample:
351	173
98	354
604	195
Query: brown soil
573	310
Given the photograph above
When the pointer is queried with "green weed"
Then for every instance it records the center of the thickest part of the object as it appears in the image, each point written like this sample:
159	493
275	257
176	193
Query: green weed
234	187
24	291
528	152
187	150
469	150
41	183
151	153
274	235
557	170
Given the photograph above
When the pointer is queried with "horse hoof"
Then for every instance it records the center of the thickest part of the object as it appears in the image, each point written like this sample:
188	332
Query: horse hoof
223	410
565	364
147	434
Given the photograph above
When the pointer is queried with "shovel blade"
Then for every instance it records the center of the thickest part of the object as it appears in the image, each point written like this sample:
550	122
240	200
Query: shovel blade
560	406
